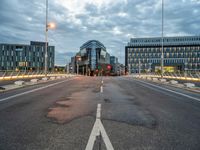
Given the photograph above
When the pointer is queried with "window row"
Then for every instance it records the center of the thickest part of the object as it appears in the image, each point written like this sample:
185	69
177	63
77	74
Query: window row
169	49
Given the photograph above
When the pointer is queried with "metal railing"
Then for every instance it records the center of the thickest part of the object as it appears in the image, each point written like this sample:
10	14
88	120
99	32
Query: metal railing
7	75
180	76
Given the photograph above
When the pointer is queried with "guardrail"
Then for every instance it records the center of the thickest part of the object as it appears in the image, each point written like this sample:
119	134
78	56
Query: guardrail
9	75
179	76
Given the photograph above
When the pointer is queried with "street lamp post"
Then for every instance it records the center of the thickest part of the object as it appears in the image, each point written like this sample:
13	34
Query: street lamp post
150	67
162	55
185	69
77	68
78	58
46	38
86	69
139	67
83	70
47	26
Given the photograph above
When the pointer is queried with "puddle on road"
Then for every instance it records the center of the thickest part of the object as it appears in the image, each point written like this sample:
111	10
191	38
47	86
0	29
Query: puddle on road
77	105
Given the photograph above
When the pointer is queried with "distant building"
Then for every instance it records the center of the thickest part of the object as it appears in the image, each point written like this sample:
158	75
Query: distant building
114	63
180	54
26	57
72	66
92	58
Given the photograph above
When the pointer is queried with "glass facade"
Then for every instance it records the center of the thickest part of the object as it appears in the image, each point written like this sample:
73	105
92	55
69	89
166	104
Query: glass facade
114	63
182	53
25	57
92	56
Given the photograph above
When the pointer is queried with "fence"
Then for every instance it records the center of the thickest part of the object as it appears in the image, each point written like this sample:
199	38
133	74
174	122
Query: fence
7	75
179	76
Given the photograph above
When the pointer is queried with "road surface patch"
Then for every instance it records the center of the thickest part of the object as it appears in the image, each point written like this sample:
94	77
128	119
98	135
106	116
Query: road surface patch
80	104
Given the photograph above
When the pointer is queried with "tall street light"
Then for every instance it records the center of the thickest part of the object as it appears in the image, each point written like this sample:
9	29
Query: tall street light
46	38
162	51
47	26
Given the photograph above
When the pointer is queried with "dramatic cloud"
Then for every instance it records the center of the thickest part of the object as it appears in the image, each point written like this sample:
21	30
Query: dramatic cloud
113	22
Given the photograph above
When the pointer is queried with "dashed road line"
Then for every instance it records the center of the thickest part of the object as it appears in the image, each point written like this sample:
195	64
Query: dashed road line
101	89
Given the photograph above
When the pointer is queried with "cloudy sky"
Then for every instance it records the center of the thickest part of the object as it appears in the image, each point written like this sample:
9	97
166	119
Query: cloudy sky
112	22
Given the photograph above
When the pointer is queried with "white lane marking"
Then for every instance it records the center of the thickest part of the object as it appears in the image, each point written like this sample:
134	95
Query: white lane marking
96	130
101	89
102	81
105	136
98	115
182	94
101	86
31	91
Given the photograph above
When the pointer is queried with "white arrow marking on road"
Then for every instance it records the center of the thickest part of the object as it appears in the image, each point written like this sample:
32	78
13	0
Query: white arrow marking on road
97	129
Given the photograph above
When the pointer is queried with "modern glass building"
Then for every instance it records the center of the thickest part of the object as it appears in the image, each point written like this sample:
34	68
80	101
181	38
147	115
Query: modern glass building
180	54
26	57
114	63
92	58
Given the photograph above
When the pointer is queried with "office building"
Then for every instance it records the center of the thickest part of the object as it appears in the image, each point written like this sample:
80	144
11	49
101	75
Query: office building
180	54
114	63
26	57
92	59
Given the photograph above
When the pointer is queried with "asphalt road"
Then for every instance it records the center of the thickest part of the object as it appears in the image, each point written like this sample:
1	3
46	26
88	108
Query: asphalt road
60	115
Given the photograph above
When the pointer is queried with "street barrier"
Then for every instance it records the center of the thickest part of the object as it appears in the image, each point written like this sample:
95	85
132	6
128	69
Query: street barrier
34	80
195	76
155	79
19	83
163	80
189	85
173	82
52	78
58	77
148	78
45	79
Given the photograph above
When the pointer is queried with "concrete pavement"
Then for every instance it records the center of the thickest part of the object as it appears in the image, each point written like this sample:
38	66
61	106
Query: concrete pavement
135	115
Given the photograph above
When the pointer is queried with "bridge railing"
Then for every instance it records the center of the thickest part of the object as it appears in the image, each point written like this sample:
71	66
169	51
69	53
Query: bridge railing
180	76
27	74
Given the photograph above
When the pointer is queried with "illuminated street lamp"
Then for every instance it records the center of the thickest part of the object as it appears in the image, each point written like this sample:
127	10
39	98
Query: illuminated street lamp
47	26
51	25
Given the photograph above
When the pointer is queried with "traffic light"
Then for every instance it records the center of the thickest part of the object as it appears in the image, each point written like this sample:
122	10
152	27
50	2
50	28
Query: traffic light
109	67
99	67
